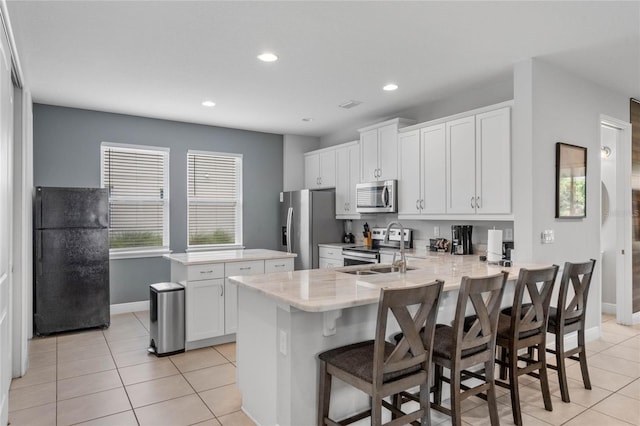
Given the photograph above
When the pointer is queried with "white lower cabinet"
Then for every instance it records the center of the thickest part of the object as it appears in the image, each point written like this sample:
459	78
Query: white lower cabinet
211	299
205	309
330	257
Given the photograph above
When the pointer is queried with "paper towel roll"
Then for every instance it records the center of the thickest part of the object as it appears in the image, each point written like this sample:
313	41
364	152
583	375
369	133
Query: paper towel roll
494	245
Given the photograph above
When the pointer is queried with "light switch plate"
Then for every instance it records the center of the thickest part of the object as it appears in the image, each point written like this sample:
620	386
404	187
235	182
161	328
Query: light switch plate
547	236
436	231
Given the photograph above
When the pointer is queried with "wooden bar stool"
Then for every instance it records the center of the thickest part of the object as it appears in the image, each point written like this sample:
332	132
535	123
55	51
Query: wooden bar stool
458	348
569	316
382	369
525	326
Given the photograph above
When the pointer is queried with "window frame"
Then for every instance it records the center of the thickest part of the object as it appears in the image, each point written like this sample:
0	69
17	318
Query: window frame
155	251
239	243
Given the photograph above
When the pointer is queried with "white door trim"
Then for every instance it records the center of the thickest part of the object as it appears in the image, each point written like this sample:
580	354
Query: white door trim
622	210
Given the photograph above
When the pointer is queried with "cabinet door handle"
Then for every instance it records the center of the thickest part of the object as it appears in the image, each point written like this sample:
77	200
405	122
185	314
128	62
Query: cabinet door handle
207	272
472	206
246	268
417	204
221	290
477	202
279	266
320	179
422	204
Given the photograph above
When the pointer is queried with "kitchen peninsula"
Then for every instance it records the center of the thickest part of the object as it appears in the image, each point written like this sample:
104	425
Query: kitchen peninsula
286	319
210	299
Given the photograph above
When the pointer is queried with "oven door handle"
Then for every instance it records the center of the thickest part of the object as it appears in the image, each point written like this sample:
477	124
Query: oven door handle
374	259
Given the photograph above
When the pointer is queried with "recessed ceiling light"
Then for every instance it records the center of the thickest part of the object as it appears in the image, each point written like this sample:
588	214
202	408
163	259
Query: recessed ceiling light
307	119
268	57
390	87
208	103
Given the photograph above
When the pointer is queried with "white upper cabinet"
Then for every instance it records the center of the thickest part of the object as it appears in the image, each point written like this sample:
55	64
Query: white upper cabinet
493	162
479	160
434	169
457	167
422	173
347	176
461	184
379	150
320	169
409	188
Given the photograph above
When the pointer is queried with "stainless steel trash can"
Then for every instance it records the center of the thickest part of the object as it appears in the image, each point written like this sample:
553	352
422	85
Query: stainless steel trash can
166	315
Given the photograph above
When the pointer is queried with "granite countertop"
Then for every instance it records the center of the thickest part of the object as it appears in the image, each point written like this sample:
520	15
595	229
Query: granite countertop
226	256
320	290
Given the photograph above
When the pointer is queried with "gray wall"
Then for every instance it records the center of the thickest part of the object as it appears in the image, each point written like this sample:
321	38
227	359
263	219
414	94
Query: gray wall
67	153
294	147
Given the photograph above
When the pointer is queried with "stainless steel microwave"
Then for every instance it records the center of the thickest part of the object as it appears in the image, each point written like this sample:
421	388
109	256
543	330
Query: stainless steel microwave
377	197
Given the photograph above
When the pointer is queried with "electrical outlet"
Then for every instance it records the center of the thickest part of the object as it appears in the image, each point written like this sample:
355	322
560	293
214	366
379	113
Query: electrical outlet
283	342
508	234
436	231
547	236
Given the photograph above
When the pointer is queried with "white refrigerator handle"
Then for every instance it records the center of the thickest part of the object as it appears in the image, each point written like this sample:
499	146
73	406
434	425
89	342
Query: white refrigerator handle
289	220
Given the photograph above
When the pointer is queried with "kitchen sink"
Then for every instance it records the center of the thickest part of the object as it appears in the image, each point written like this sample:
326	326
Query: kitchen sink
387	269
376	270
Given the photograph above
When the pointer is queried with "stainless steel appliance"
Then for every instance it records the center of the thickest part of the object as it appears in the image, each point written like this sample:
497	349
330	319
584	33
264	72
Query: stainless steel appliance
71	259
377	197
308	218
362	255
461	239
166	318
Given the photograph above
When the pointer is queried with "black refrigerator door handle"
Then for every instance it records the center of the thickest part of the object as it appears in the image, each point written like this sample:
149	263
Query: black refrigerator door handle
39	253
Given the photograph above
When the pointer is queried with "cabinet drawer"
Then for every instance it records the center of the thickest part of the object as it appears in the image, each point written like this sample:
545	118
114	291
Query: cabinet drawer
278	265
331	253
205	272
244	268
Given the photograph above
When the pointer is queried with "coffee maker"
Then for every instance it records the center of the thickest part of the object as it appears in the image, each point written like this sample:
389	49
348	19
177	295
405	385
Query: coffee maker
461	239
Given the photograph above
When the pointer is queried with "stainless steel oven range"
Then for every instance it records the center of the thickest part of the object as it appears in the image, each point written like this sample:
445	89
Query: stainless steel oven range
362	255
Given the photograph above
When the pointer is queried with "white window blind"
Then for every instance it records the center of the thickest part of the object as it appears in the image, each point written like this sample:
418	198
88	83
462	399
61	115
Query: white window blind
137	180
214	198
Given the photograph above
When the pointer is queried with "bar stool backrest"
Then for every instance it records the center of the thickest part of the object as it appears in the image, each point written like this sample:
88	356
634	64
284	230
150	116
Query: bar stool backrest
485	295
415	347
538	285
578	277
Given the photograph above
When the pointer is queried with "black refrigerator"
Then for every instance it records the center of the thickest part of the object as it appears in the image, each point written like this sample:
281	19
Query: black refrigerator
71	259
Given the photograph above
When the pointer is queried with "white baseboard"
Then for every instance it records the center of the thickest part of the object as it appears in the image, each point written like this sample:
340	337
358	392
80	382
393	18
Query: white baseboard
608	308
124	308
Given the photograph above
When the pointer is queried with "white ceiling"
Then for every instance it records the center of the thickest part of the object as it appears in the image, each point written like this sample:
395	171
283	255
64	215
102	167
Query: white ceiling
163	58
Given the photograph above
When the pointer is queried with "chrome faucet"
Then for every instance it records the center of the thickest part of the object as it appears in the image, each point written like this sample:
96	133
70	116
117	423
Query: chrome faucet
402	263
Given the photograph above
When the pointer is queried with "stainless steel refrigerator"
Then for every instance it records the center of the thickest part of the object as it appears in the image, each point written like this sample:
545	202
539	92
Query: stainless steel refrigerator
308	218
71	259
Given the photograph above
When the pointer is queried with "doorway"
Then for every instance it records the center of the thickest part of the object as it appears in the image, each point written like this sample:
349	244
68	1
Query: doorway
616	223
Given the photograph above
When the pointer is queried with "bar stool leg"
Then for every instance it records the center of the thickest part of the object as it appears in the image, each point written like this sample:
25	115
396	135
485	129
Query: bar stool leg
437	381
324	393
560	363
583	359
544	379
489	368
456	416
514	389
424	402
376	410
503	358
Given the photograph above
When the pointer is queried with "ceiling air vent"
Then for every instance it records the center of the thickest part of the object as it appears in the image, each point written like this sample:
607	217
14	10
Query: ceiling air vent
349	104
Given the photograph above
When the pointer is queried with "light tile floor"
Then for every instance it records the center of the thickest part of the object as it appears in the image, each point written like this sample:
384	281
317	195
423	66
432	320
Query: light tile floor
107	378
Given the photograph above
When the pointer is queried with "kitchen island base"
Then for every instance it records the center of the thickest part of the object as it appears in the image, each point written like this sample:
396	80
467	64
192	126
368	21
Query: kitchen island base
271	333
